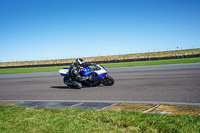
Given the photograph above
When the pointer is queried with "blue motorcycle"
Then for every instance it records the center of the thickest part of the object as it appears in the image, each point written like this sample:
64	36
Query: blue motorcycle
95	76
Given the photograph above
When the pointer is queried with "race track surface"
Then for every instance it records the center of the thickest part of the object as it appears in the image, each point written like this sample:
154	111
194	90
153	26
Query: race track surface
178	83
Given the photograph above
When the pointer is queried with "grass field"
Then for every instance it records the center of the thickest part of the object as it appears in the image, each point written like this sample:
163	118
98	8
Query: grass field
179	53
106	65
24	119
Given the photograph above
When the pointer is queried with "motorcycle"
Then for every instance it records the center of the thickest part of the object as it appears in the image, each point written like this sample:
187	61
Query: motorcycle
95	76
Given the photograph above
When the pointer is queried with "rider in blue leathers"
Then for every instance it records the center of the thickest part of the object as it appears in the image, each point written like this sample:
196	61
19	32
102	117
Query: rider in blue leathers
74	70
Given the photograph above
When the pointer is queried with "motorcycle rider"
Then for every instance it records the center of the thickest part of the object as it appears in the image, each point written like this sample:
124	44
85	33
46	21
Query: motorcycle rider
74	72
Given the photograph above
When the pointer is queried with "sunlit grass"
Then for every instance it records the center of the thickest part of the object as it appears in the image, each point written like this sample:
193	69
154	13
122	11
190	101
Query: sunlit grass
106	65
24	119
155	62
171	54
29	70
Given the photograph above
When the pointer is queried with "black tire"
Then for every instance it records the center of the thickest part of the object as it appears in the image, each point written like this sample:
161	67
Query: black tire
77	84
108	81
64	79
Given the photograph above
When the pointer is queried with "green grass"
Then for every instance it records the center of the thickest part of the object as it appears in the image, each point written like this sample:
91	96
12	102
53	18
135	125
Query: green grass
155	62
106	65
172	54
29	70
24	119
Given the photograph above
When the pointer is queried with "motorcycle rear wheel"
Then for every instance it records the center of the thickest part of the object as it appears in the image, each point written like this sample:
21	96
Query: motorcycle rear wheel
108	81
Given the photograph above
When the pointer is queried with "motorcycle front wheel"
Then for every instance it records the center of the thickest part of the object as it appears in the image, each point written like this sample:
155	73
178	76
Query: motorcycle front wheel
108	81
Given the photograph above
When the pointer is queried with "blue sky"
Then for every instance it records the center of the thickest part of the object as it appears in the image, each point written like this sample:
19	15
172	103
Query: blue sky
56	29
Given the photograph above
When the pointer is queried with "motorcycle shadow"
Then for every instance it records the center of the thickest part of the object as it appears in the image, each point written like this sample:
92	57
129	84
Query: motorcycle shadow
71	87
64	87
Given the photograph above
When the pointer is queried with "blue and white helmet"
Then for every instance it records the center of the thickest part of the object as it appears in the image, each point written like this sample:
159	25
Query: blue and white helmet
79	61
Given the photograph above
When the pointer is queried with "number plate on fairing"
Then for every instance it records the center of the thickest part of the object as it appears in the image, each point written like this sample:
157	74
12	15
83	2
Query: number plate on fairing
63	71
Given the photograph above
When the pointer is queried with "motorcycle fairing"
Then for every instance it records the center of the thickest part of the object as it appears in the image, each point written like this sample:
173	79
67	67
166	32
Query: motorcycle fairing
86	71
100	72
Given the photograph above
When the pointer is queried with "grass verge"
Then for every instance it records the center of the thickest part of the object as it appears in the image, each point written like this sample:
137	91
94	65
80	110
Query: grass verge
172	54
24	119
155	62
106	65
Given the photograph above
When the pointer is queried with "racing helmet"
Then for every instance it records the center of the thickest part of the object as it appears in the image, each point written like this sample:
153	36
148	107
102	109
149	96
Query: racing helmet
79	61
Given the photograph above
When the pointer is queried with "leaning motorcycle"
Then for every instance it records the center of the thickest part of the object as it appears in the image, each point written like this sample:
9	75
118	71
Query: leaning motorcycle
95	76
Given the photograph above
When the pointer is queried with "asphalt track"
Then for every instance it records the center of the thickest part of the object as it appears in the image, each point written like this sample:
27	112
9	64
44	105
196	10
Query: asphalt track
165	84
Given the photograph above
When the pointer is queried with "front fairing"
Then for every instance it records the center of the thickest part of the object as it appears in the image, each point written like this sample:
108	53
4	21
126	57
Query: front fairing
101	70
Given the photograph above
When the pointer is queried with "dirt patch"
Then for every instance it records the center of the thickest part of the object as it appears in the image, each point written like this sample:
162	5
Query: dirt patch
180	109
131	107
7	103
